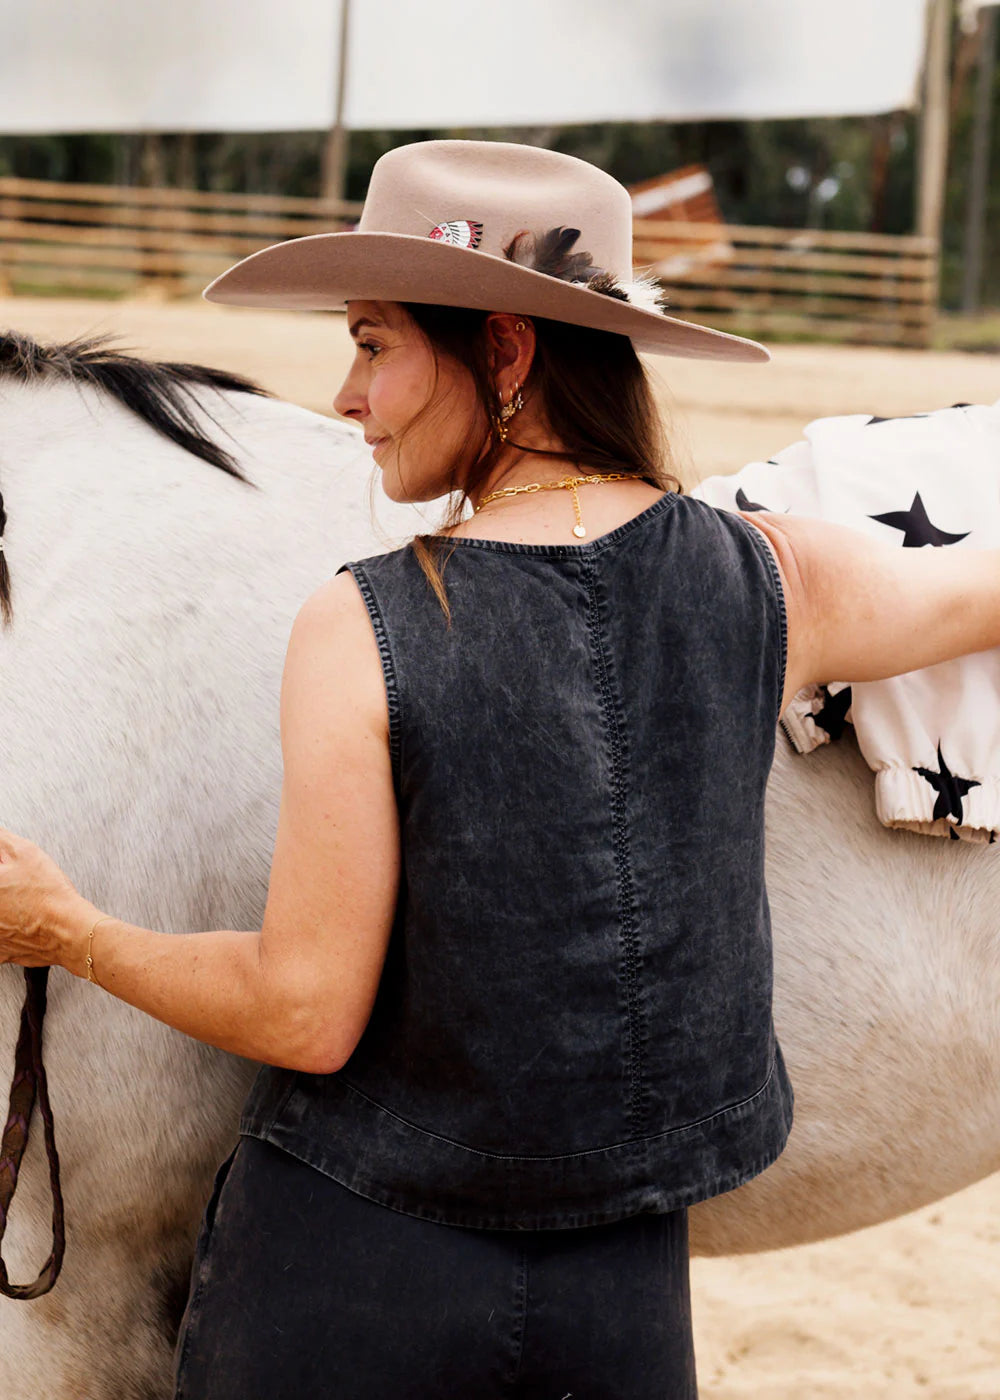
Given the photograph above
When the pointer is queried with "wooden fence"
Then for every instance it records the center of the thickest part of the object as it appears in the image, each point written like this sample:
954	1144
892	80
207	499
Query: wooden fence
806	284
104	239
793	283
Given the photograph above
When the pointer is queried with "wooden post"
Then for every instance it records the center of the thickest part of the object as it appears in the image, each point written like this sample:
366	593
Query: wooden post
152	167
979	166
933	145
151	176
334	173
186	176
881	132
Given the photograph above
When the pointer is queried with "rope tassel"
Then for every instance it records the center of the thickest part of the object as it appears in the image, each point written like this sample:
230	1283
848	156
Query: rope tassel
30	1085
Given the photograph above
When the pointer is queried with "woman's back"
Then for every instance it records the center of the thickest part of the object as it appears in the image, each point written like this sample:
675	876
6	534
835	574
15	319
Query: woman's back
573	1023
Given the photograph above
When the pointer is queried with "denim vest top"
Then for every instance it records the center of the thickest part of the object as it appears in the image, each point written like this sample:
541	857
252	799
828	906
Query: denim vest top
573	1023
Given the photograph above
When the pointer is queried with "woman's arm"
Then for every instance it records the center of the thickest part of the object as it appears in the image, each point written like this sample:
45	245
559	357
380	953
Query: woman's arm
300	991
861	610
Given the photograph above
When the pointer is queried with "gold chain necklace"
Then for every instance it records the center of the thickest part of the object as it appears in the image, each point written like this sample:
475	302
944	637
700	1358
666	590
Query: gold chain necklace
568	483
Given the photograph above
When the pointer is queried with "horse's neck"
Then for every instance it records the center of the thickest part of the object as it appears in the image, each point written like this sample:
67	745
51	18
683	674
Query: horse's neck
79	470
153	596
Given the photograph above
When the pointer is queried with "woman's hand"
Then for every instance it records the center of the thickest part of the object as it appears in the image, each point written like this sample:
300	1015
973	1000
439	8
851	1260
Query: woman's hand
36	900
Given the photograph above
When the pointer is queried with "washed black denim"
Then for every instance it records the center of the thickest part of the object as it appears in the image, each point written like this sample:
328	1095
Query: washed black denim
574	1019
303	1290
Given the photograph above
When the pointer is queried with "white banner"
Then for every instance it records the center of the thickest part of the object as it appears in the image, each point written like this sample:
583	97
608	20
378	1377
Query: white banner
270	65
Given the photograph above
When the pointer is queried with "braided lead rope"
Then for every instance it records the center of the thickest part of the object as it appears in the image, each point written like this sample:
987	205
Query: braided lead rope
29	1084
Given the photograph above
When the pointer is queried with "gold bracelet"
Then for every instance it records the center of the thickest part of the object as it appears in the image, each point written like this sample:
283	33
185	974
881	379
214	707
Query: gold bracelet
90	950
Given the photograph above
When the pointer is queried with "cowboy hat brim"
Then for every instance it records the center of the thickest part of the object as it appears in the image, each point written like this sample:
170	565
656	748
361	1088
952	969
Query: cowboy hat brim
322	271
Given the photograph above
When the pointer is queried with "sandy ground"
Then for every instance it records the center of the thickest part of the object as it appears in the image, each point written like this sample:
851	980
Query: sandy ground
911	1308
721	416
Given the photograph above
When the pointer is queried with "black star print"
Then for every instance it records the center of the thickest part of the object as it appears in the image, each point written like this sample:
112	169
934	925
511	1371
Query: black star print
950	790
917	528
874	419
833	716
744	504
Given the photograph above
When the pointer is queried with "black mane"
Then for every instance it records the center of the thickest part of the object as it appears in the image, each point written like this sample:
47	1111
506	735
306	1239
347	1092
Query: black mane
162	394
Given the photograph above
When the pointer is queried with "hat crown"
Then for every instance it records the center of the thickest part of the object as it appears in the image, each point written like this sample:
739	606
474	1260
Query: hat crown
482	194
489	226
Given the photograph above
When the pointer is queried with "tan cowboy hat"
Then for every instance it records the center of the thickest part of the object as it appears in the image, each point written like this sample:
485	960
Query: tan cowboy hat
486	225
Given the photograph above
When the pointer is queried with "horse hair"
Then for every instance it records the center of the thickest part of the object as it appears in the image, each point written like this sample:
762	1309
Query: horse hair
161	393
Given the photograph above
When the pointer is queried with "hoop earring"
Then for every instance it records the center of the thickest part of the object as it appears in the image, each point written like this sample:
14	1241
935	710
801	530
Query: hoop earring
507	411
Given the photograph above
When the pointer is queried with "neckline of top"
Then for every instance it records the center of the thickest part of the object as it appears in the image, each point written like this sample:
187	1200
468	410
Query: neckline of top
567	551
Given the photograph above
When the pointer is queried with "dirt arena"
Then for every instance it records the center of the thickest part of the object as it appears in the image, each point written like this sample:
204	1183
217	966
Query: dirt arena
909	1309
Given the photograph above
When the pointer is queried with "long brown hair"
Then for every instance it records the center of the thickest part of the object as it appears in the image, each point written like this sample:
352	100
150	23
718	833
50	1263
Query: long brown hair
593	393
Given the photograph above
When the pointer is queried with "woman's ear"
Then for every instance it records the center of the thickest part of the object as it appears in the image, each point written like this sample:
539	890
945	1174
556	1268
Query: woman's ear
511	341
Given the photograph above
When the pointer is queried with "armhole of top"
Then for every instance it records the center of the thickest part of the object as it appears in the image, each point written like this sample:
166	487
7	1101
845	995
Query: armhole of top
393	705
764	548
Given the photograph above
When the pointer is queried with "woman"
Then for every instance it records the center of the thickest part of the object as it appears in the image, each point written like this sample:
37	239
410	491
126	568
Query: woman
512	988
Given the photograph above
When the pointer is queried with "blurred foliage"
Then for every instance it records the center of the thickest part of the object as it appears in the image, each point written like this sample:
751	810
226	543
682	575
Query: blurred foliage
849	173
976	332
749	161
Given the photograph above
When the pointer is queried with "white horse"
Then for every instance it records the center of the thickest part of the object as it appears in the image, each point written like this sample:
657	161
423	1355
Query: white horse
152	599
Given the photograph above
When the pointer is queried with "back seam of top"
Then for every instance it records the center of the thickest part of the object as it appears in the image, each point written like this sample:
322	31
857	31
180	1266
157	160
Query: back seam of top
618	746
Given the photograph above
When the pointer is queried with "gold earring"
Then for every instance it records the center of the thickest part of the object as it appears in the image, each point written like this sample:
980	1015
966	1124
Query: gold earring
507	411
520	326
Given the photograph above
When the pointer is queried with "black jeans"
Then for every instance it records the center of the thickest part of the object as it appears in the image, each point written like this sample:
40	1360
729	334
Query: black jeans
303	1290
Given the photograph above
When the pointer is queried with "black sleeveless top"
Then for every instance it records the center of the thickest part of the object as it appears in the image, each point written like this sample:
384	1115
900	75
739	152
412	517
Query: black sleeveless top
573	1023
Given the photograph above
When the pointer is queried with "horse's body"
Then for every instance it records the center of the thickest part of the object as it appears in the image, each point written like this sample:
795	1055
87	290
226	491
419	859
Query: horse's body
153	595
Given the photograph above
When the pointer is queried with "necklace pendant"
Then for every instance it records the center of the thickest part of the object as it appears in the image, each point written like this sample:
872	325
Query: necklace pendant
579	531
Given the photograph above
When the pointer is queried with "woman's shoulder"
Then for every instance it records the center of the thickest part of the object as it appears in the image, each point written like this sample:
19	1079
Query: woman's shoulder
388	561
333	613
385	583
332	648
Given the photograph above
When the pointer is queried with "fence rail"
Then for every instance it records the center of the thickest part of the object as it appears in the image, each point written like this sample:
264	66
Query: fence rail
107	239
805	283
